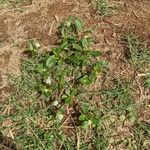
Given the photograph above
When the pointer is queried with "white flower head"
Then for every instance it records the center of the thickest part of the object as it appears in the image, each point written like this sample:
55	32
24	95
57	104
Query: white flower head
37	44
48	81
59	117
55	103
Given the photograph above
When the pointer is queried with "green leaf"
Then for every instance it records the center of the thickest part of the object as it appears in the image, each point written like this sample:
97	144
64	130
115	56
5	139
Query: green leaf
86	124
92	76
56	51
47	92
145	127
74	92
42	88
99	66
68	100
72	39
50	61
77	47
85	80
82	117
40	68
95	53
64	96
30	47
78	25
63	31
85	107
33	46
59	117
69	22
63	45
68	92
85	43
78	59
95	121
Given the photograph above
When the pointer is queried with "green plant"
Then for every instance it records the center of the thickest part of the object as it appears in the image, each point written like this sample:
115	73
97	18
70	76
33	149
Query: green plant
118	107
118	99
69	67
103	7
52	82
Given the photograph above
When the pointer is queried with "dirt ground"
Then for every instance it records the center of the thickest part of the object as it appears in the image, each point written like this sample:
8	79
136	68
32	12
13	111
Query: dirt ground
39	20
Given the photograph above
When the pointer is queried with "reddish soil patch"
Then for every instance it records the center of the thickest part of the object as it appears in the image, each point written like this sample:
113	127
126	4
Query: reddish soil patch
42	24
133	17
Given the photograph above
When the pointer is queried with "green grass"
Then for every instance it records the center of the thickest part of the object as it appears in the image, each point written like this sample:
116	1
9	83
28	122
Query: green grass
54	106
138	54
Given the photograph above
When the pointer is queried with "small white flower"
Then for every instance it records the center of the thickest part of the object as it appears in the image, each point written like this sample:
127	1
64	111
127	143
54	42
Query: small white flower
48	81
89	122
37	44
55	103
59	117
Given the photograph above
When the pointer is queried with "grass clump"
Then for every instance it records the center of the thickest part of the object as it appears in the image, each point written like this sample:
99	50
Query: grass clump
118	108
119	100
138	54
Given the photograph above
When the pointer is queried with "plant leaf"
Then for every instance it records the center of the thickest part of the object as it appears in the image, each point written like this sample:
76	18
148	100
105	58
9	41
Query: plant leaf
63	45
77	47
69	22
85	43
68	92
82	117
68	100
95	121
50	61
95	53
85	80
31	48
99	66
40	68
78	25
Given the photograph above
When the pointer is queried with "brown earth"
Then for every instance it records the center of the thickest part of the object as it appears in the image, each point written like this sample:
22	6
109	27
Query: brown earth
40	19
